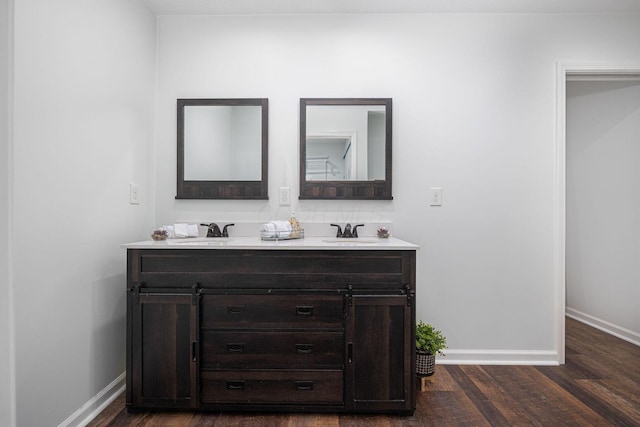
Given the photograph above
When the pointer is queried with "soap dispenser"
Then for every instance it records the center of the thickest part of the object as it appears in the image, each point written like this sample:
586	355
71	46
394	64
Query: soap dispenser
295	226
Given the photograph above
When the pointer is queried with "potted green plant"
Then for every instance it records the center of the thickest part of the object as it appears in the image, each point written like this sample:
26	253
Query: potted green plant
429	342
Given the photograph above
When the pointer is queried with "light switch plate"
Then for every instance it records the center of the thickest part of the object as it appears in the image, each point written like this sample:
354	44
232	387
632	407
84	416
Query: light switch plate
134	194
435	196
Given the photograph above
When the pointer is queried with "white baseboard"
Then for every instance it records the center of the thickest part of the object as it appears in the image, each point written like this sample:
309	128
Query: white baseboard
93	407
97	404
499	357
603	325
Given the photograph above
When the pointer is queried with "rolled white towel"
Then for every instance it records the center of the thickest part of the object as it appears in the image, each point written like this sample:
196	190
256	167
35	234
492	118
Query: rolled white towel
278	229
268	230
268	226
283	229
282	226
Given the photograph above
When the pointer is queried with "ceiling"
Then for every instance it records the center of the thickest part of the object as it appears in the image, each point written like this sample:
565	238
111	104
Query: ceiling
259	7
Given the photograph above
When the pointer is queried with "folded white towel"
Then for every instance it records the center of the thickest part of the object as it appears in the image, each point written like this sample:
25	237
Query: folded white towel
181	230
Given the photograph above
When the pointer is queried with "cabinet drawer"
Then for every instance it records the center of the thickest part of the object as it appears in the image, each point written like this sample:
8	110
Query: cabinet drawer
271	269
276	387
269	349
272	311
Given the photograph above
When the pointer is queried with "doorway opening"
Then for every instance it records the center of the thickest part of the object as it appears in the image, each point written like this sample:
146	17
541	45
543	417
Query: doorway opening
567	75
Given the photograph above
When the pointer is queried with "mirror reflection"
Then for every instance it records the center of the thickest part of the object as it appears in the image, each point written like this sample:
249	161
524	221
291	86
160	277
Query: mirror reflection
345	148
222	143
222	148
345	142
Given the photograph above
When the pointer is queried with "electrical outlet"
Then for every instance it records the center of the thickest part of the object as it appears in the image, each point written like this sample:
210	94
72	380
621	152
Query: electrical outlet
134	194
285	196
435	196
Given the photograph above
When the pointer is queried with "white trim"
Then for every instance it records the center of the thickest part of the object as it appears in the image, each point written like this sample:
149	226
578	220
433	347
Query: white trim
499	357
608	327
560	205
631	77
97	404
584	72
599	72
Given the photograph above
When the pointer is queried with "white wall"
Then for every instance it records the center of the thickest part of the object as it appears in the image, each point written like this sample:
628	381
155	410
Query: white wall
6	349
83	130
603	202
474	99
474	112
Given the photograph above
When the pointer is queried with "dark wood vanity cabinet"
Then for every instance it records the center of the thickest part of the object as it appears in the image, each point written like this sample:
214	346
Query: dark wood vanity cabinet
286	330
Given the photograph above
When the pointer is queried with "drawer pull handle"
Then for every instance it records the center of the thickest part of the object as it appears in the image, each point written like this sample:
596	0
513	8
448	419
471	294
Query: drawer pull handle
304	310
235	385
304	348
235	310
304	385
235	348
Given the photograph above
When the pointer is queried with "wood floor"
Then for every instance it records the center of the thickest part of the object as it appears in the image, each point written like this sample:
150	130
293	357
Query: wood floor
598	386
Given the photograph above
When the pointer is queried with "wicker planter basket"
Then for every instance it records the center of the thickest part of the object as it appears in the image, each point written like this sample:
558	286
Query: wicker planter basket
425	363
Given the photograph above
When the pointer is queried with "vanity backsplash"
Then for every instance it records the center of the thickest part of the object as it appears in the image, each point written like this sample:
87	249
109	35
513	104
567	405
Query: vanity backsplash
252	229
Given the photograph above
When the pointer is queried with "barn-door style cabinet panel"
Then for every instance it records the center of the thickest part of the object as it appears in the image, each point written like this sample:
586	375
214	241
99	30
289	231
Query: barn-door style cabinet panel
284	330
162	367
378	353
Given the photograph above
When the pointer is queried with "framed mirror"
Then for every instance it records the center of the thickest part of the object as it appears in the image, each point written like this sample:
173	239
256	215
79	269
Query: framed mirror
222	148
345	148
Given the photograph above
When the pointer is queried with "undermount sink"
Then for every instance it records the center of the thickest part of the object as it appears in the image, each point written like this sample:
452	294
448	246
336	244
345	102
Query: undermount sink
356	240
204	241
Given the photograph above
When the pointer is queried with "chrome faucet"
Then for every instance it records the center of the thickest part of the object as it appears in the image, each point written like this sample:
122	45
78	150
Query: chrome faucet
348	231
214	231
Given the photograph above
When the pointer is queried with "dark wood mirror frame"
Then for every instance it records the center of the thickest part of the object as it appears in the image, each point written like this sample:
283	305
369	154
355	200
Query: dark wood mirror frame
223	189
345	190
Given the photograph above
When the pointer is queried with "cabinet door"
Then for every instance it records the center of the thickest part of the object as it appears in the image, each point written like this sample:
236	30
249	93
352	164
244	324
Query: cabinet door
163	350
379	354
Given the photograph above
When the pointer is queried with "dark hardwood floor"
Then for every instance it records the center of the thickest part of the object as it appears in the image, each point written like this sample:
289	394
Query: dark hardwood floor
598	386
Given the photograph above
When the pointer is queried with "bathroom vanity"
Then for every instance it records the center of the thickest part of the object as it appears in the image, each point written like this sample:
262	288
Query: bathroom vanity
318	325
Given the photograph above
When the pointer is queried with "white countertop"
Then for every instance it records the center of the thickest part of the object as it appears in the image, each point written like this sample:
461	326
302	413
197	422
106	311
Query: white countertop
307	243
